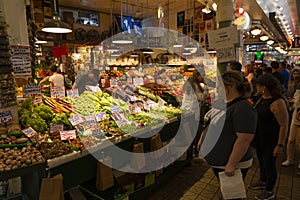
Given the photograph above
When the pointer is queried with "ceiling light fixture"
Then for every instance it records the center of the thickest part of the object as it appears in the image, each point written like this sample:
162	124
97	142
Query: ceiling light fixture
206	8
215	6
264	38
177	45
147	51
55	25
255	31
270	42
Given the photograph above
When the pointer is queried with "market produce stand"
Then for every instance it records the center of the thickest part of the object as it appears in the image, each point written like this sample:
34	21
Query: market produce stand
80	167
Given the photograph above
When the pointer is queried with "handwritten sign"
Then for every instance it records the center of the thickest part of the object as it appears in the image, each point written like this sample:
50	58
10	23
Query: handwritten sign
138	81
73	93
57	92
5	117
56	128
119	118
37	100
21	60
76	120
115	109
93	88
90	122
29	132
68	135
101	117
134	109
31	90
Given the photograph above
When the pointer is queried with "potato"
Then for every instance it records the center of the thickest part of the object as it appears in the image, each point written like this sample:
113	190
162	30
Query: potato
28	161
13	162
13	128
8	161
19	163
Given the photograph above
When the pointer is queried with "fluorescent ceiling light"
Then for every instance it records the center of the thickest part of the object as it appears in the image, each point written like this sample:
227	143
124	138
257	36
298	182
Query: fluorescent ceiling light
147	51
255	31
177	45
190	47
112	48
122	39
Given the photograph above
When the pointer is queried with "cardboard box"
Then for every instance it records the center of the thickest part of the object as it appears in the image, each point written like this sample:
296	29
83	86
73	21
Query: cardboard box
104	179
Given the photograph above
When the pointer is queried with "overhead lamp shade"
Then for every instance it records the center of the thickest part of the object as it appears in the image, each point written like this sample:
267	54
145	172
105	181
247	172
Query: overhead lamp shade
186	53
122	39
190	47
56	25
270	42
147	51
177	45
264	38
112	49
206	9
255	31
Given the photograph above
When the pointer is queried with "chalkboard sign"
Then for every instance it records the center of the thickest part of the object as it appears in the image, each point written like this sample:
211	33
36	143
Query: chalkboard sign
21	60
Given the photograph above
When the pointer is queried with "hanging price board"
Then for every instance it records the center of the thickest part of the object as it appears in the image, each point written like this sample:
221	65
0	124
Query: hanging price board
57	92
76	120
56	128
5	117
101	117
73	93
29	132
68	135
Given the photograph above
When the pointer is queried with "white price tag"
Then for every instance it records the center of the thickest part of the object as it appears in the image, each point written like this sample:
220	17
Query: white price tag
68	135
115	109
56	128
5	117
29	132
138	81
101	117
76	120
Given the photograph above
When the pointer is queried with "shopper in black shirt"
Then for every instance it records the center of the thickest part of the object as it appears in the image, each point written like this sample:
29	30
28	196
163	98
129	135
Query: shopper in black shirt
272	128
276	73
226	143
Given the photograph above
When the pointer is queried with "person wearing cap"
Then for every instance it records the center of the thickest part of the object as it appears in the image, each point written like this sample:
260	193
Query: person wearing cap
294	134
271	131
90	79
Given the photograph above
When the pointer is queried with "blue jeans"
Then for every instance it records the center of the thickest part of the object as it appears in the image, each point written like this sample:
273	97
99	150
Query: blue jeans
267	164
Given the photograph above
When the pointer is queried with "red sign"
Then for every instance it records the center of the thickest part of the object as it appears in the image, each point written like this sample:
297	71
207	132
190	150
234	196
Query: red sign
60	51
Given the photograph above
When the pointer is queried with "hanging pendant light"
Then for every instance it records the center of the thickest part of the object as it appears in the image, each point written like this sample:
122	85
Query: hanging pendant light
55	25
206	9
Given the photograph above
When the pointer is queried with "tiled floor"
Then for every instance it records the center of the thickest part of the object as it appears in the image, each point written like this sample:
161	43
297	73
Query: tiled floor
190	185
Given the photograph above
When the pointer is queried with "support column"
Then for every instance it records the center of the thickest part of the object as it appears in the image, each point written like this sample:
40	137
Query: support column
14	13
225	16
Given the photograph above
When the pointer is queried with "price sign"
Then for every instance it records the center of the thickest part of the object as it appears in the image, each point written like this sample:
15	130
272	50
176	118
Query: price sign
21	60
101	68
76	120
138	81
134	109
93	88
90	122
5	117
73	93
56	128
119	118
57	92
31	90
115	68
150	103
132	98
68	135
29	132
101	116
37	100
113	82
107	68
115	109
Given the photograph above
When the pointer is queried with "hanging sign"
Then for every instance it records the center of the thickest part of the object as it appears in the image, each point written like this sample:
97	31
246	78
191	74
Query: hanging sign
224	37
21	60
60	51
226	54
